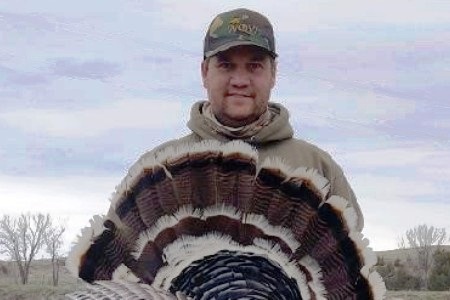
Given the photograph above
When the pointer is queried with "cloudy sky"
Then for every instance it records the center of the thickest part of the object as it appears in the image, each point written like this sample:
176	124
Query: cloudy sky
87	86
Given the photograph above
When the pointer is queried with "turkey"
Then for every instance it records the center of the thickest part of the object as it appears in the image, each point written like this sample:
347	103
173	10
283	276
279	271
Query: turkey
211	221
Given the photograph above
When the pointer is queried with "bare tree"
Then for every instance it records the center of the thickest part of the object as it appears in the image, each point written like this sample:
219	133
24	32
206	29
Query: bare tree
53	239
401	243
424	240
22	238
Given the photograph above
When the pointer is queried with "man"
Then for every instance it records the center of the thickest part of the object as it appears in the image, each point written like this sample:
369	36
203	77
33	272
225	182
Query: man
238	73
143	239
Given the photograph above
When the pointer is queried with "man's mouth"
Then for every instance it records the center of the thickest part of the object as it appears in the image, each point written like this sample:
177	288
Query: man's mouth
238	95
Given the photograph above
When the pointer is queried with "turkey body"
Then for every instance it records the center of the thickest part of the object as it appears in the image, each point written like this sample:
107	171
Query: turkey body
209	221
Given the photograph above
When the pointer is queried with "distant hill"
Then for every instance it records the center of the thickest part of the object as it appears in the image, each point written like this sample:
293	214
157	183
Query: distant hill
390	256
41	270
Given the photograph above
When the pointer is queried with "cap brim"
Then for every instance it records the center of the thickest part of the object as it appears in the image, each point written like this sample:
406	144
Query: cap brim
232	44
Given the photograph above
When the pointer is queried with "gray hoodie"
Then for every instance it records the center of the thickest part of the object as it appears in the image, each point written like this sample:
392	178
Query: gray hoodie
276	140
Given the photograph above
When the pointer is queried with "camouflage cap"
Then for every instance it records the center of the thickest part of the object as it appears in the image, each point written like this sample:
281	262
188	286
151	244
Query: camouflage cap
239	27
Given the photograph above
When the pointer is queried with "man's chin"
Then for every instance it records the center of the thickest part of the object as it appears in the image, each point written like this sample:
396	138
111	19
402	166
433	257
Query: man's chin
238	120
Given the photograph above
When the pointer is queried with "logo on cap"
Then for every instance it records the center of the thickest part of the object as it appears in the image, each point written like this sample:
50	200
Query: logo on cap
236	25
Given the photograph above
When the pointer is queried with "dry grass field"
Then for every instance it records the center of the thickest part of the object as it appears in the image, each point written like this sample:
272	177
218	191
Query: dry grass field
414	295
39	292
40	286
40	283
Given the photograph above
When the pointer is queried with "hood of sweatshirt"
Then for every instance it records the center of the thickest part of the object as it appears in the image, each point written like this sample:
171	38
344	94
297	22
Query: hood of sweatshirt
278	129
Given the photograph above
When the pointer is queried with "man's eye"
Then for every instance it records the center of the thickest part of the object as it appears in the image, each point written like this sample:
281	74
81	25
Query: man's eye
225	65
254	66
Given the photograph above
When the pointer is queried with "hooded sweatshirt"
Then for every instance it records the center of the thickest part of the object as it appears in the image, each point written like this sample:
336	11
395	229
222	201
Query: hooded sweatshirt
276	140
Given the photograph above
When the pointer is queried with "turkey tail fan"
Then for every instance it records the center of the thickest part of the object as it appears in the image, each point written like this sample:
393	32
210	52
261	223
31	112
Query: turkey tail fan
210	221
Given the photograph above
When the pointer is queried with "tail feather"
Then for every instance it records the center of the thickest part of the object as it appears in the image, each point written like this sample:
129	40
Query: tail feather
210	219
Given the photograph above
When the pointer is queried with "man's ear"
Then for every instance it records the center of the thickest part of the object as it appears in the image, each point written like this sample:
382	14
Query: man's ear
204	71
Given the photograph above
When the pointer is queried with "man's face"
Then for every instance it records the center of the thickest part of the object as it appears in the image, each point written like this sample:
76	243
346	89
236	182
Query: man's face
238	82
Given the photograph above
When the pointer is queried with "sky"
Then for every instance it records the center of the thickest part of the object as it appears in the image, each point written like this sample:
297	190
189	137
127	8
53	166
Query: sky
86	87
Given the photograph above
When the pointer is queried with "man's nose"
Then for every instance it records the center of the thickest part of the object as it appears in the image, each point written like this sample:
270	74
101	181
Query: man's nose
240	78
